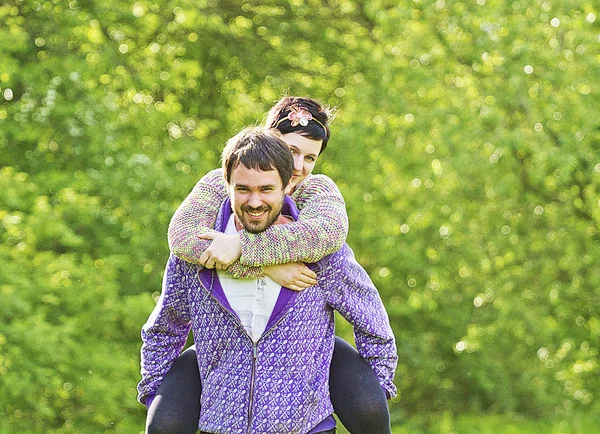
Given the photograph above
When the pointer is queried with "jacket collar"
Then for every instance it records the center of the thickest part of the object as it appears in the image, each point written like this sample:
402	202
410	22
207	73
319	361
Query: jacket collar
210	280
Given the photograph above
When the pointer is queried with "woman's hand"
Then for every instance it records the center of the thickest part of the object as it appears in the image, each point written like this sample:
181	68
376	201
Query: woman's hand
295	275
222	252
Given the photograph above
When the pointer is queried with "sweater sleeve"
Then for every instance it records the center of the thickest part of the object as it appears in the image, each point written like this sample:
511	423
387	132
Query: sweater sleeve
348	289
197	215
321	228
165	332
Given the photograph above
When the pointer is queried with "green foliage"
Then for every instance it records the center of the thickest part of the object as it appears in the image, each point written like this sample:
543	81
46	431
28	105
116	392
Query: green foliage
446	423
466	145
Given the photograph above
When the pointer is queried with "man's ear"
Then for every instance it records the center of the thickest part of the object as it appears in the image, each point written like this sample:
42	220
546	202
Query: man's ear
288	188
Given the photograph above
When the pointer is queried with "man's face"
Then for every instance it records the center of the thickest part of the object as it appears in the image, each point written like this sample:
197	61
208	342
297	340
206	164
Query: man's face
256	197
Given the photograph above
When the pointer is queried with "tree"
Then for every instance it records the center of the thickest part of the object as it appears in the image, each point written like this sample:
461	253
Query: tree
468	132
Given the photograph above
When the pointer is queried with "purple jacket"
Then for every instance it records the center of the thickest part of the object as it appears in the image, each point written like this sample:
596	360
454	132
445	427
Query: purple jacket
281	383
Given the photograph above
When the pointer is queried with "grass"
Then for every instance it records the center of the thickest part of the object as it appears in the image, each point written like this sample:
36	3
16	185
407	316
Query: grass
496	424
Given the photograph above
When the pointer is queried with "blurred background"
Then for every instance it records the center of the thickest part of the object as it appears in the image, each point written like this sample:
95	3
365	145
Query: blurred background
466	145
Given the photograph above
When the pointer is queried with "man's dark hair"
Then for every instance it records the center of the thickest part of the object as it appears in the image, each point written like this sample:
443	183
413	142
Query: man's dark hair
260	149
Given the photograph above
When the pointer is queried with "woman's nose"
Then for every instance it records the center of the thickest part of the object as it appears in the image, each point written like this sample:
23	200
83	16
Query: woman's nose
298	163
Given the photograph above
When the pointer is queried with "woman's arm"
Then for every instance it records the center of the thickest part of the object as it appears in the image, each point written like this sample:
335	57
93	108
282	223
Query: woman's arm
321	228
196	216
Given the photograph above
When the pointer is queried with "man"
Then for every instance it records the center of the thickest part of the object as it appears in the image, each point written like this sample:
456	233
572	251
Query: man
263	351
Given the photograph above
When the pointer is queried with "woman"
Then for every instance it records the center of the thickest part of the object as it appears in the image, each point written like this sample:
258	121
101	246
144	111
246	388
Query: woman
357	398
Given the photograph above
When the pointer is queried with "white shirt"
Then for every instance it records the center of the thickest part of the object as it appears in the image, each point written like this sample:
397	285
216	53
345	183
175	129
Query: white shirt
252	300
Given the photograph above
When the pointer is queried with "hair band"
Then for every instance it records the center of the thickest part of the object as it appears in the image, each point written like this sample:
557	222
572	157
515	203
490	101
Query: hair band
299	115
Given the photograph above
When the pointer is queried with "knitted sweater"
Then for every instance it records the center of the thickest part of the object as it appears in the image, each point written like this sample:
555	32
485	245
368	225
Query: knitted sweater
321	228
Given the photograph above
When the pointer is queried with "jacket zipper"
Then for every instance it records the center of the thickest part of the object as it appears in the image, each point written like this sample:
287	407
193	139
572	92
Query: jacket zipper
254	353
250	401
254	357
254	349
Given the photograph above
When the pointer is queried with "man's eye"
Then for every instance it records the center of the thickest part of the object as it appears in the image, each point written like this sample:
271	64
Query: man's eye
311	159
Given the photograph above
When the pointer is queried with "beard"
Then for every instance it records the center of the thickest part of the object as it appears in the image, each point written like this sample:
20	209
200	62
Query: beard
257	225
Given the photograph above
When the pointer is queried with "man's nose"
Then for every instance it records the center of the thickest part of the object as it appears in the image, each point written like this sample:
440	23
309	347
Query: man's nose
255	200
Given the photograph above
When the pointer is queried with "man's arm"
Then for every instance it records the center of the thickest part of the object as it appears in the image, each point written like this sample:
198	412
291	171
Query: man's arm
348	289
167	328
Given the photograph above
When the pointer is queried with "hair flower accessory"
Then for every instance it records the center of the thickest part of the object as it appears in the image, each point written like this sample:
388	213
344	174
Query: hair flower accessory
299	115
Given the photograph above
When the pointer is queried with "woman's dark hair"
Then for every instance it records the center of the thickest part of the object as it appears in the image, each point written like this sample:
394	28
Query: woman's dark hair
315	130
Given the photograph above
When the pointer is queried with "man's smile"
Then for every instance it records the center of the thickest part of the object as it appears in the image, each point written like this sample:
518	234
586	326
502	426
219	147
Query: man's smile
256	214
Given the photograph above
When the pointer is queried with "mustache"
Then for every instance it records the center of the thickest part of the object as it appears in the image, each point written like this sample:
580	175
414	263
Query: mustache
259	209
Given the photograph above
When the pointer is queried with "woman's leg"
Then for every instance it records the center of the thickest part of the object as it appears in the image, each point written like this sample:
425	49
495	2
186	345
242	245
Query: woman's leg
358	399
176	407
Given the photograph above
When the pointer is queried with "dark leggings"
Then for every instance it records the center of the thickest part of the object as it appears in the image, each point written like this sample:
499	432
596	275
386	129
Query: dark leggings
357	398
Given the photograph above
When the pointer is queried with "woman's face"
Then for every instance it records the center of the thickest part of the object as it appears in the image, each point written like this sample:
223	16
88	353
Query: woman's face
305	152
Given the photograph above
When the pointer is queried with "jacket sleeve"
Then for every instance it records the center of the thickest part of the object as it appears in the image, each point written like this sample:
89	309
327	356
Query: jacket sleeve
196	215
167	328
321	228
349	290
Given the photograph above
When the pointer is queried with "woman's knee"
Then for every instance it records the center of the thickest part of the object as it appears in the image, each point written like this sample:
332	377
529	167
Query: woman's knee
357	397
176	407
170	425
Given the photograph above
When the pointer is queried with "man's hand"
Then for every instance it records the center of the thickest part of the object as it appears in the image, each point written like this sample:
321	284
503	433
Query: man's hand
222	252
295	276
